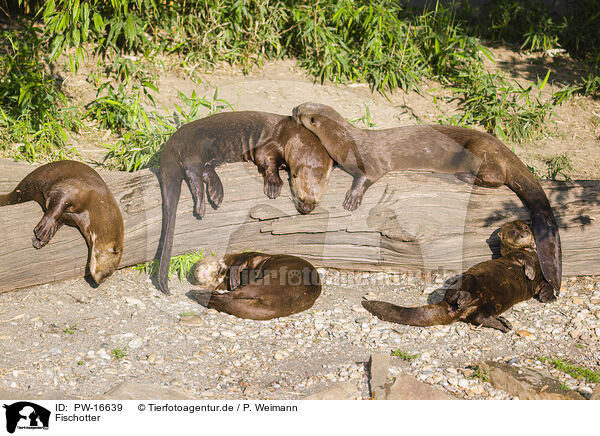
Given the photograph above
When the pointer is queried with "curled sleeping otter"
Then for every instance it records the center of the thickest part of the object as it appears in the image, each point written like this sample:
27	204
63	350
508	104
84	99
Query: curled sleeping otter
256	285
485	290
74	194
473	156
270	141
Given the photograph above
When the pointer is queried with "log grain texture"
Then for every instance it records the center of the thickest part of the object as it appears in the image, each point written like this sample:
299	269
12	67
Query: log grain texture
408	221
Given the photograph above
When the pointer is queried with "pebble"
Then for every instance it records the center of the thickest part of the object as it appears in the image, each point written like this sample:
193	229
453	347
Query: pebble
191	321
135	343
217	356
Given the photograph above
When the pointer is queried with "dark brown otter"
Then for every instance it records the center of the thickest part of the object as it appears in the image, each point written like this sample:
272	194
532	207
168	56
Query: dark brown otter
485	290
257	286
270	141
473	156
74	194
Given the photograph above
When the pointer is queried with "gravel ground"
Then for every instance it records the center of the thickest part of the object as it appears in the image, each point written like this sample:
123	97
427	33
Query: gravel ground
76	341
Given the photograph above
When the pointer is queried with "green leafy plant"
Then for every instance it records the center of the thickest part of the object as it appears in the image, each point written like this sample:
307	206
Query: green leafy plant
33	117
365	120
480	373
573	370
179	265
140	148
404	355
70	330
119	353
557	165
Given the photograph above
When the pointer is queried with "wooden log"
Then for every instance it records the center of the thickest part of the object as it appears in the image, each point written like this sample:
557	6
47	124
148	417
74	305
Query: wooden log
409	221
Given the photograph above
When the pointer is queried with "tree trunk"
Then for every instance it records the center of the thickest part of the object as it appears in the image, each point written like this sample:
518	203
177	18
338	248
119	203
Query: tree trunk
408	221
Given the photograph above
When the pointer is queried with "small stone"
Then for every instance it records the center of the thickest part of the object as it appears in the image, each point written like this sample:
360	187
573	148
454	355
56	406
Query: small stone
578	300
359	309
228	334
523	333
191	321
575	333
429	290
278	355
135	302
135	343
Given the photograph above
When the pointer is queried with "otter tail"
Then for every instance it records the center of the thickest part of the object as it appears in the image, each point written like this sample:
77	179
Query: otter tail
544	226
15	197
171	177
5	200
431	314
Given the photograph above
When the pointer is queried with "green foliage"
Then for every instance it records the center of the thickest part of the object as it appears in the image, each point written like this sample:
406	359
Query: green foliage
70	330
119	353
503	107
405	355
33	120
365	120
557	165
140	148
179	265
480	373
573	370
357	41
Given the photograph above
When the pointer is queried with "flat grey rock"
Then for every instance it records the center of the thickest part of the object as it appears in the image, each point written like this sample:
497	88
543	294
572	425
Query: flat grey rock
526	383
379	366
406	387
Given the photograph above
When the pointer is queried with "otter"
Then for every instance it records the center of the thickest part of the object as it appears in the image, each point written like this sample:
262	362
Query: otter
369	154
485	290
257	285
74	194
271	141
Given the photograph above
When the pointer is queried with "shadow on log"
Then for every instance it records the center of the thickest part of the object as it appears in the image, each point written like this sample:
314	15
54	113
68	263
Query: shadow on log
409	221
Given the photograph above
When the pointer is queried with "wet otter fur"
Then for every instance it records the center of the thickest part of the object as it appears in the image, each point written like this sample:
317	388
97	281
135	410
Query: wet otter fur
485	290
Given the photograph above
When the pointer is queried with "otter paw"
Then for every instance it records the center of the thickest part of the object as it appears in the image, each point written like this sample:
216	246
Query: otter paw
352	201
215	194
37	243
199	210
273	186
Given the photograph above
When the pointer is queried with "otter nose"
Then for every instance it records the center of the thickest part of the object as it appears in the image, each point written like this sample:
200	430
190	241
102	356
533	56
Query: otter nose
305	208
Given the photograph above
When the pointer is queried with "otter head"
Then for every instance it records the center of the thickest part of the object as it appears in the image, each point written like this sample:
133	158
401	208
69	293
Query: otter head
208	272
310	167
515	235
315	117
105	257
104	237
